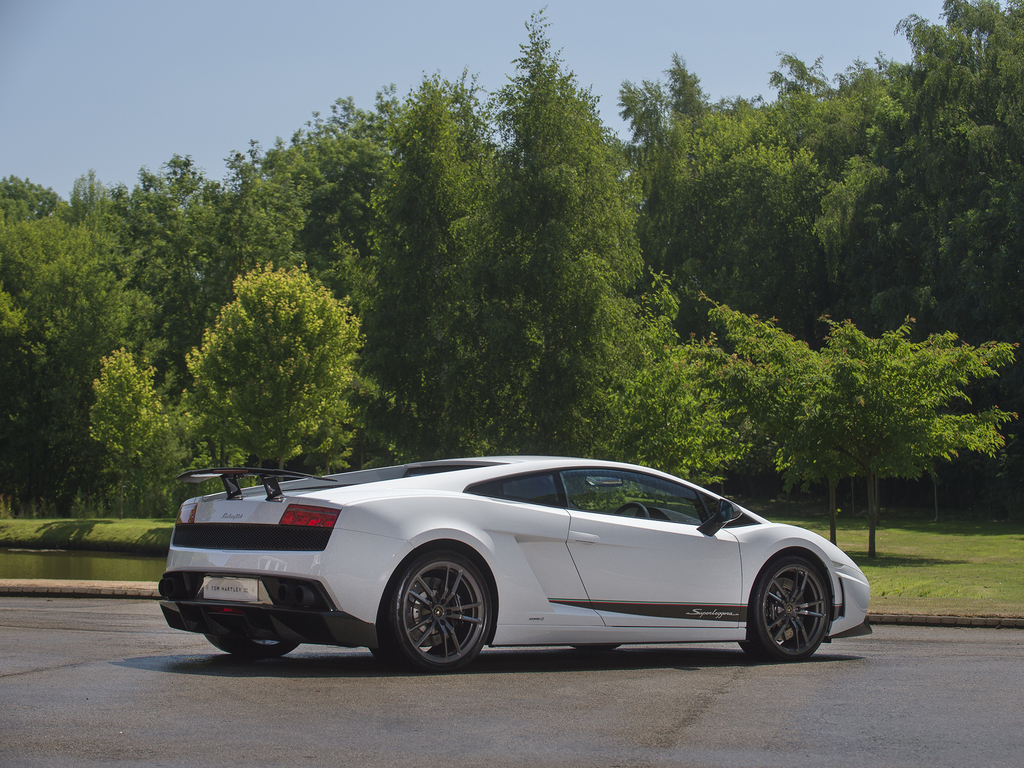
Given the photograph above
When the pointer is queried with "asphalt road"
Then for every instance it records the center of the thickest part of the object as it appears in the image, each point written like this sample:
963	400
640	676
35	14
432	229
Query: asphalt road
104	682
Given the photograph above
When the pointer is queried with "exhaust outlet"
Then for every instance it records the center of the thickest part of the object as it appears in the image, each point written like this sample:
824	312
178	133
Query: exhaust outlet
167	587
295	595
284	593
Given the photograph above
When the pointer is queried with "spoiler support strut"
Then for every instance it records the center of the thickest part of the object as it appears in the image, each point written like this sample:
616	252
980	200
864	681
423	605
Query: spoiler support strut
229	476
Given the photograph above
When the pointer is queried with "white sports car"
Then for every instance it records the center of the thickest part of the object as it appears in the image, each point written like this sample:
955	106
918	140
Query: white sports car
426	563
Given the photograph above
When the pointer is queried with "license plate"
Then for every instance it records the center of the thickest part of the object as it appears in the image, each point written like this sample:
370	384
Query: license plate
233	589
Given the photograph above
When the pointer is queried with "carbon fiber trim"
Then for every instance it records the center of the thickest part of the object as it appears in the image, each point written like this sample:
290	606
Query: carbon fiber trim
246	537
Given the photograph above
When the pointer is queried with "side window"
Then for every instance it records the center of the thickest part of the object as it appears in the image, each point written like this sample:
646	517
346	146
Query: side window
631	494
535	489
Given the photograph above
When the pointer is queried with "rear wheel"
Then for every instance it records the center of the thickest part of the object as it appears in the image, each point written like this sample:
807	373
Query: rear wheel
788	614
439	613
247	648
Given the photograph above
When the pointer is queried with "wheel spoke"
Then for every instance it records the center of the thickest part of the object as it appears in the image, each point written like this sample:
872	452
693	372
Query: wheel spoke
427	620
426	588
450	592
448	633
462	613
781	620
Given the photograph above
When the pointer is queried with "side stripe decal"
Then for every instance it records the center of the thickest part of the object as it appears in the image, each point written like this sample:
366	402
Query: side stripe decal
693	611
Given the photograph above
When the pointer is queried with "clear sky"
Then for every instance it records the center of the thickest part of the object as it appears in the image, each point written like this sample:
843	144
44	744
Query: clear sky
115	85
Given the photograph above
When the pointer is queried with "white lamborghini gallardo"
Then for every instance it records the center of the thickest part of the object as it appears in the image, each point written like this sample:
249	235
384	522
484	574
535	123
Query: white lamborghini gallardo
427	563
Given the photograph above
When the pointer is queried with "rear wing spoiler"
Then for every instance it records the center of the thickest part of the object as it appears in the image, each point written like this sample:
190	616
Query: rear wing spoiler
229	476
271	478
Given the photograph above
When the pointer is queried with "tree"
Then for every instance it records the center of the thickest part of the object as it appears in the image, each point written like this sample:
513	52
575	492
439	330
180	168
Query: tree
21	200
89	204
891	404
276	365
169	235
65	308
882	407
558	326
673	417
259	216
127	417
336	162
776	377
729	199
422	320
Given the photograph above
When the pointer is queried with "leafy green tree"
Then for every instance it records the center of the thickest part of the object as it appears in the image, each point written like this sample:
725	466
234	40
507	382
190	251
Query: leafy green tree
169	235
21	200
653	108
925	220
336	162
421	323
259	217
729	199
883	407
276	365
128	418
673	417
66	309
777	378
89	204
558	325
894	402
188	238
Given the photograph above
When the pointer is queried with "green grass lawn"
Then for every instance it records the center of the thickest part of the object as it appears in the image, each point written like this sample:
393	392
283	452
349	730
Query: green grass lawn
968	568
144	537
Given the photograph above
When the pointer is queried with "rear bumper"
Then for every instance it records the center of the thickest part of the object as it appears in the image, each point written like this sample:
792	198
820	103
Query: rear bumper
288	609
269	623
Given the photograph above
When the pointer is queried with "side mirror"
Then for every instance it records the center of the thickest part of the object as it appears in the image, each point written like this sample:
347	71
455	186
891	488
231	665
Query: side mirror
726	513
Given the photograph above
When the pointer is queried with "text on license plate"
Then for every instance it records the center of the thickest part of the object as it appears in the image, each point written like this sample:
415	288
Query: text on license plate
227	588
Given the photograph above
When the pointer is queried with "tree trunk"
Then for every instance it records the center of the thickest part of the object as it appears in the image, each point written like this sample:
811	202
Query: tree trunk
832	511
872	511
120	502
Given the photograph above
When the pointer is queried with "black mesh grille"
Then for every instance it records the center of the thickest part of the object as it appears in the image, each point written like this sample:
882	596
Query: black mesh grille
245	537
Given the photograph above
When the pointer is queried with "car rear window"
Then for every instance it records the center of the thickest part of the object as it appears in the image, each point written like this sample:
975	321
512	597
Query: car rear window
535	489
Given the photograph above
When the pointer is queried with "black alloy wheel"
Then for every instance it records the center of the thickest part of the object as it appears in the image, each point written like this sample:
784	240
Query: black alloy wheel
788	614
439	613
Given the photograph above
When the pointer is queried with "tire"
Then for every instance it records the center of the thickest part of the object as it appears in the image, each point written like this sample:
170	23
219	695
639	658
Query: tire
438	615
246	648
788	613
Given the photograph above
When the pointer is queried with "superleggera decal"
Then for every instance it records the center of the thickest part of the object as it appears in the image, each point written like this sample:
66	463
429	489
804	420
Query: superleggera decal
694	611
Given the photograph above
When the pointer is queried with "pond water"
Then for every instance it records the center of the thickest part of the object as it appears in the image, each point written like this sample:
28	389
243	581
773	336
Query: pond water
75	565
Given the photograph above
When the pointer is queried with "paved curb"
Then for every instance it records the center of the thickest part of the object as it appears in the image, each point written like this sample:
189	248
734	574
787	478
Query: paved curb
997	622
129	590
144	590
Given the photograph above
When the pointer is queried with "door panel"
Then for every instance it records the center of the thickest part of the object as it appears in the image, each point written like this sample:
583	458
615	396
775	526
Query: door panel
649	573
635	543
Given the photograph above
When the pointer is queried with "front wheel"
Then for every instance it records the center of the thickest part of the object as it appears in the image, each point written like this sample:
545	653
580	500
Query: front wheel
247	648
788	614
439	614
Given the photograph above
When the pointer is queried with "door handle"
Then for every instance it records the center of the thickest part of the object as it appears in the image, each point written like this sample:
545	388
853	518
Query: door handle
585	538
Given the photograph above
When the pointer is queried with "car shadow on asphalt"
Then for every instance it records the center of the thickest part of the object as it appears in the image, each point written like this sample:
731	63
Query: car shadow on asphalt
343	662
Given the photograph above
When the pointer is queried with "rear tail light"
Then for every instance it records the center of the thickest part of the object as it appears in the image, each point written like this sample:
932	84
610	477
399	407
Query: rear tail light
187	513
312	517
